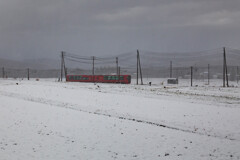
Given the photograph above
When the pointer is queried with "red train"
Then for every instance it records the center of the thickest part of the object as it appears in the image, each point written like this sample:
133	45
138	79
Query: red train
125	79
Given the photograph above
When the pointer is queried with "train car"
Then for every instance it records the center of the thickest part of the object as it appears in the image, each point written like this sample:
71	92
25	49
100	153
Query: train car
125	79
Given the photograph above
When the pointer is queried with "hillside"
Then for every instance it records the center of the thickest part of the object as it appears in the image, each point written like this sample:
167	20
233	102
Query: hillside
30	63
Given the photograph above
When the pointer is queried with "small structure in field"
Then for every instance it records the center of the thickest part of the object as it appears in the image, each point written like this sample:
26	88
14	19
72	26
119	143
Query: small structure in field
172	81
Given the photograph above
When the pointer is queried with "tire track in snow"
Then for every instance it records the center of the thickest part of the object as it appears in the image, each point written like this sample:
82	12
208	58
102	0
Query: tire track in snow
75	107
222	100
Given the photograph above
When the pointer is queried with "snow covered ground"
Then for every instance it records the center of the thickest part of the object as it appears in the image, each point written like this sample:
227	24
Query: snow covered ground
50	120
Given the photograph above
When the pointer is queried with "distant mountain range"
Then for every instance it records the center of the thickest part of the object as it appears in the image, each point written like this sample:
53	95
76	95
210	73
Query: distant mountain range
30	63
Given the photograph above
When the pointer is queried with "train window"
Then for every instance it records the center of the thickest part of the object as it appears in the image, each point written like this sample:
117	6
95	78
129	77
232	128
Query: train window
112	77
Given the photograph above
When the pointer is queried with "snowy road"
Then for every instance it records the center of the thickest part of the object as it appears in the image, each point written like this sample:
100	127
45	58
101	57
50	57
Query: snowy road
51	120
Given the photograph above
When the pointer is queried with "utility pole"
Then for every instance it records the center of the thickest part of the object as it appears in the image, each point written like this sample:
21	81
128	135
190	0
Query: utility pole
191	76
93	58
119	71
224	66
170	69
140	68
28	73
177	72
65	71
237	75
208	74
62	54
225	62
117	65
64	67
137	65
3	72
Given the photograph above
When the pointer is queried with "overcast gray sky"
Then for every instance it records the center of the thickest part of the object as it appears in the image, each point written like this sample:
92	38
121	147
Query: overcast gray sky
43	28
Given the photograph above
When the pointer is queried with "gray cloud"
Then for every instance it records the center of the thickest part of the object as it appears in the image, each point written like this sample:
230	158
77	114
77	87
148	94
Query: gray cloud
38	29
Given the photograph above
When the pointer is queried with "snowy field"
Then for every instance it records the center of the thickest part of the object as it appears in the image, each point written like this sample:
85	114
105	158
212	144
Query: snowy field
53	120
